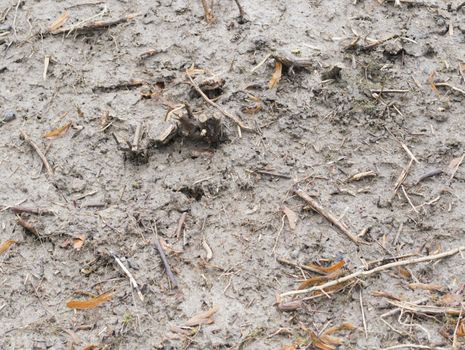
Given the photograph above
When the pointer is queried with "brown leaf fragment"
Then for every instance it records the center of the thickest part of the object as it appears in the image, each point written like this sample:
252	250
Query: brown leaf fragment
427	286
404	273
204	317
450	299
454	166
55	133
313	281
78	242
276	77
327	341
327	269
93	347
252	109
6	245
59	22
89	303
461	329
292	217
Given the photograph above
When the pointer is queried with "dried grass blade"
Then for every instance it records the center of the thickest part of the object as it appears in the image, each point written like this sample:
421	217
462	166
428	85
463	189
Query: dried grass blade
58	23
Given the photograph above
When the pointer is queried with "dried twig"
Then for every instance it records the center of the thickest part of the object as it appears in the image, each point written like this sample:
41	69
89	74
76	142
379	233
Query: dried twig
375	270
132	280
241	10
95	25
327	215
34	211
165	263
210	102
38	151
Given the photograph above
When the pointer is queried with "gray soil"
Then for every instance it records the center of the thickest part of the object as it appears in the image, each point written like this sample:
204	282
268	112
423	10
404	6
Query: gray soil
315	131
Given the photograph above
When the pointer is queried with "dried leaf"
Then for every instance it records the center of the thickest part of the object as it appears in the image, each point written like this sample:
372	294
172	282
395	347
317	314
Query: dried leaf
404	273
328	342
292	217
78	242
450	299
317	343
325	270
55	133
313	281
6	245
59	22
90	303
203	317
92	347
454	166
276	77
461	329
426	286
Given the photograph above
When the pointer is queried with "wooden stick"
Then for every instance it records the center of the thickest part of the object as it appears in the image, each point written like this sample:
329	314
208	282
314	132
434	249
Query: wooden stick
375	270
95	25
165	263
210	102
34	211
327	215
132	280
38	151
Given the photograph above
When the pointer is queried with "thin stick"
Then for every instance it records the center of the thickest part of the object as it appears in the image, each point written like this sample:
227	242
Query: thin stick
95	25
365	328
211	103
34	211
38	151
404	146
403	175
327	215
408	199
261	63
132	280
181	224
165	263
375	270
241	9
137	137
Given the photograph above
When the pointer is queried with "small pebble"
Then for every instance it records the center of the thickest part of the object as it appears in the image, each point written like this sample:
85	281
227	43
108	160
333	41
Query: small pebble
8	116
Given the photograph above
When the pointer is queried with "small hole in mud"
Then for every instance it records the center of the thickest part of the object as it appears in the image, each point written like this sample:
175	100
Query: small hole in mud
195	192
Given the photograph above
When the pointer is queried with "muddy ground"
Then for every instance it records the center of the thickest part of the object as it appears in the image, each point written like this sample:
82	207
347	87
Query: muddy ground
313	131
